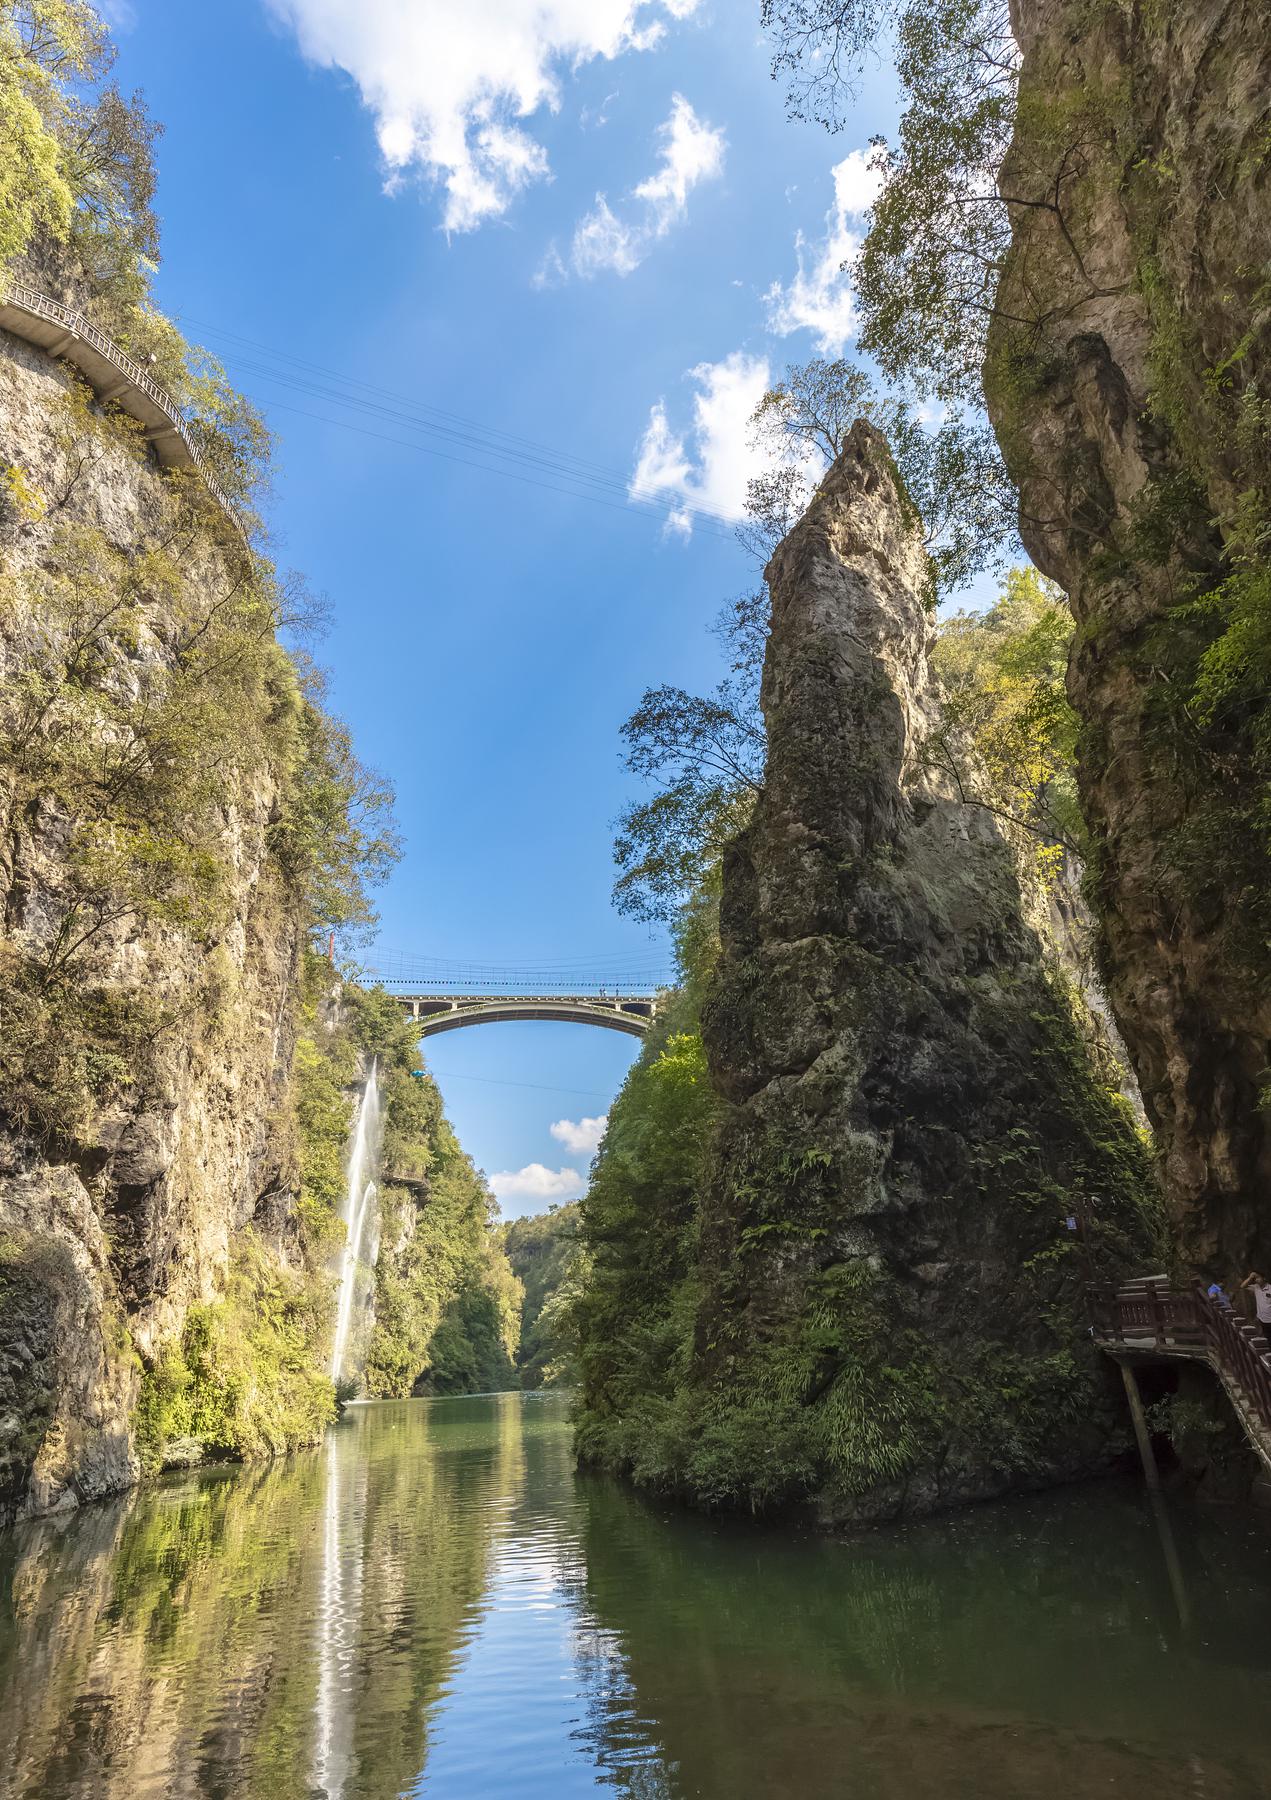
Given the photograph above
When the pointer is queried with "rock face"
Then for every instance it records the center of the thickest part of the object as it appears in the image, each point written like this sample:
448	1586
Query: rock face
915	1109
114	1223
1126	371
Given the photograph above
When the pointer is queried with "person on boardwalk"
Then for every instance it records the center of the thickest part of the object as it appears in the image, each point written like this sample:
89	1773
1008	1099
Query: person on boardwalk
1261	1301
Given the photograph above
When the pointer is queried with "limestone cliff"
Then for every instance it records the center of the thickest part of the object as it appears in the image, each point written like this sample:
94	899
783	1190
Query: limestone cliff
150	929
914	1108
1128	365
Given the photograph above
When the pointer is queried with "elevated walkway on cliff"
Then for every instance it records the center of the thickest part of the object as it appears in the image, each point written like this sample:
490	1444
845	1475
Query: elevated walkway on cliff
1148	1321
114	376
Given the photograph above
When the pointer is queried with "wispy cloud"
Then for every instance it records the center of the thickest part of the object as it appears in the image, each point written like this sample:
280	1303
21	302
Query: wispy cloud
591	118
537	1182
450	86
581	1137
820	299
707	466
690	151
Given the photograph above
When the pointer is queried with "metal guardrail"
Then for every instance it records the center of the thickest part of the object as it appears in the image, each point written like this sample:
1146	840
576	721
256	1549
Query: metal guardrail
79	325
1149	1315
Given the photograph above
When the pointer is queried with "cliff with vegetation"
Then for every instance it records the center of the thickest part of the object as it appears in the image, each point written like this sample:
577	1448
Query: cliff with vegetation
159	758
546	1257
1073	228
179	816
1131	407
873	1292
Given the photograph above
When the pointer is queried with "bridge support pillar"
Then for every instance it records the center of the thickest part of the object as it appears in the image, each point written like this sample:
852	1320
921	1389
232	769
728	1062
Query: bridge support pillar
1142	1436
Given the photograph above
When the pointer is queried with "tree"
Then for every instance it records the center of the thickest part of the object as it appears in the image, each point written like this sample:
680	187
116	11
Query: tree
948	463
78	160
45	46
707	755
1007	732
928	272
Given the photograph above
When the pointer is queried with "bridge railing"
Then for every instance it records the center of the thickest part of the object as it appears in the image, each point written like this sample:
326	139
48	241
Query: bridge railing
1152	1315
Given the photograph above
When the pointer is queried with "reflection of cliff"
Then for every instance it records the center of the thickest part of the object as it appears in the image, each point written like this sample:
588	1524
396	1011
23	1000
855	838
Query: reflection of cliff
235	1634
1032	1650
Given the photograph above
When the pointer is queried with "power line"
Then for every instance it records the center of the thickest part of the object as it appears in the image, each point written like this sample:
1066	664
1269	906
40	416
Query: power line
422	413
613	490
537	1087
652	954
398	968
629	507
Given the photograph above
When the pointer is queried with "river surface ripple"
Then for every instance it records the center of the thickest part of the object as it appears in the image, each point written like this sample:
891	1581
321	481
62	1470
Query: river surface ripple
435	1604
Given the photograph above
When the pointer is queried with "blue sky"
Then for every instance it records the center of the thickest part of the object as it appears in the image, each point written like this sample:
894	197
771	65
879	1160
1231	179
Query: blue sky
404	194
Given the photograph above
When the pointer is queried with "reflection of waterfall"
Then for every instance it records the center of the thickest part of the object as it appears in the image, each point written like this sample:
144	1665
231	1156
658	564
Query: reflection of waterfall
360	1216
339	1624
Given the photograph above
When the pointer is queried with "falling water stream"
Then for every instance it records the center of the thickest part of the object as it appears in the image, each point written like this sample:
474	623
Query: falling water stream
358	1214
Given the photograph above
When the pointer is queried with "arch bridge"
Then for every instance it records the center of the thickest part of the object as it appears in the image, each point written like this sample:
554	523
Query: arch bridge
436	1012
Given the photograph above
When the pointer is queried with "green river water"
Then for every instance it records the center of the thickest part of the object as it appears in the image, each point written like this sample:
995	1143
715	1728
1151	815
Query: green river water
434	1603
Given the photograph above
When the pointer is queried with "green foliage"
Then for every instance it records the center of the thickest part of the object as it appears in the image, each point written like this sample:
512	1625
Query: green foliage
671	846
337	837
46	47
1219	689
627	1327
244	1377
547	1258
1008	733
928	272
734	1351
472	1349
948	467
147	701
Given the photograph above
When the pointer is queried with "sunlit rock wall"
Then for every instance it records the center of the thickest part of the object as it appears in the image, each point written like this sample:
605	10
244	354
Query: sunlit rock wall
111	1228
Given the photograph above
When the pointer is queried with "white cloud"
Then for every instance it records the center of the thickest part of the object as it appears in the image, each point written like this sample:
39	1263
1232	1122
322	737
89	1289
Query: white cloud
593	118
581	1137
603	241
857	184
536	1182
820	297
706	468
691	151
450	81
551	272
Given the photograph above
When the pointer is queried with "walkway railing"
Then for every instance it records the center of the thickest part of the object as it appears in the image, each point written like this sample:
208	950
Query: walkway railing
79	327
1151	1316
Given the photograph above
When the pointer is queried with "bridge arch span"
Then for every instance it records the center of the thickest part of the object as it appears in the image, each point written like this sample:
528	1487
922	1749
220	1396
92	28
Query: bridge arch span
435	1013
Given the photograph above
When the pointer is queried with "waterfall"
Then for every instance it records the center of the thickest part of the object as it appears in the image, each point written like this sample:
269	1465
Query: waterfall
357	1210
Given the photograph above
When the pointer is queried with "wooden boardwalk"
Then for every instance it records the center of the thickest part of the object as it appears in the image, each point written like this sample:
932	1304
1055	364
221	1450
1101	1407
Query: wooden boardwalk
1149	1321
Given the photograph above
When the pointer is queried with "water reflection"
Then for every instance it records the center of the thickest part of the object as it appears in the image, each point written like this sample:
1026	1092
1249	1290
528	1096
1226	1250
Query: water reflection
433	1604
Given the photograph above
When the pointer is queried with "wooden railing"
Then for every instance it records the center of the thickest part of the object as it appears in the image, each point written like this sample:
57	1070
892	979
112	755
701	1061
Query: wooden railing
1150	1315
79	325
